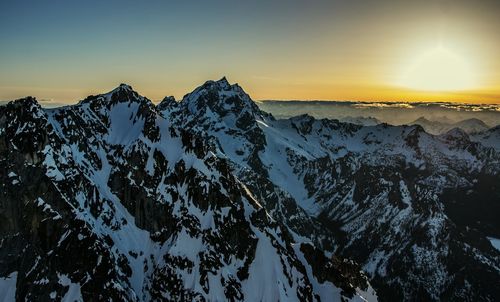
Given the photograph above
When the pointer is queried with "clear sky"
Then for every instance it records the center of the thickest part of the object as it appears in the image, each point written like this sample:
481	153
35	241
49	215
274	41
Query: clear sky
330	50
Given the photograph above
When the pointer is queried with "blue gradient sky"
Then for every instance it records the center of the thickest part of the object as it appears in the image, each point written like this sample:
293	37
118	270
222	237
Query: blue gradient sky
64	50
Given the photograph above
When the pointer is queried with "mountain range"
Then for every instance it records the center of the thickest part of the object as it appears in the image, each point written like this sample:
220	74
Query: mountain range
210	198
471	126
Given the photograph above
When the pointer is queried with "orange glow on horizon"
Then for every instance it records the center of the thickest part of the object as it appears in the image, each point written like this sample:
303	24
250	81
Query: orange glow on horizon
268	91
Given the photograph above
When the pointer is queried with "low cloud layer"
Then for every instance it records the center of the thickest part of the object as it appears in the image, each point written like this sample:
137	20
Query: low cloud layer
389	112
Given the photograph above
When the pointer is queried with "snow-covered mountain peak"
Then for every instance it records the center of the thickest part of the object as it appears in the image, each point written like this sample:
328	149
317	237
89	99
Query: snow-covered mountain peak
223	82
472	125
457	133
25	108
456	137
123	87
220	97
421	120
303	123
302	118
26	102
167	103
490	137
416	128
122	94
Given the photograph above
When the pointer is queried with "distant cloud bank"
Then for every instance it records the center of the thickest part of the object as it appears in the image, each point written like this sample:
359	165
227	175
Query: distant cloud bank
388	112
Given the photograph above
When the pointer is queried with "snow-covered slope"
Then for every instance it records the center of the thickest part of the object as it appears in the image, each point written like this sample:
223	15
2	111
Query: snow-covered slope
109	200
391	197
490	137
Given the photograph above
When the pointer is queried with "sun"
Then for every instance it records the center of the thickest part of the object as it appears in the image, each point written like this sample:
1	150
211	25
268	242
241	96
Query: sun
439	70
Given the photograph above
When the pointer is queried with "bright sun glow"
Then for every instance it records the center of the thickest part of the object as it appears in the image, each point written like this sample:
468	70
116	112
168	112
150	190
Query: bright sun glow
439	70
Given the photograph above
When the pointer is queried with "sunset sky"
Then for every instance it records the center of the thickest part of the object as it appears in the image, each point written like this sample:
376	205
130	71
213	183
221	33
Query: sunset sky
62	51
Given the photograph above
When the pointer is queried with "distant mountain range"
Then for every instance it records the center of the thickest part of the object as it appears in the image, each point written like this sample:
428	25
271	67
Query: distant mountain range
394	113
211	198
471	126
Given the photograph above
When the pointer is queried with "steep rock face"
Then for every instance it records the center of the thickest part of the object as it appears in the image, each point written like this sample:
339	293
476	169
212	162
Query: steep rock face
108	199
393	198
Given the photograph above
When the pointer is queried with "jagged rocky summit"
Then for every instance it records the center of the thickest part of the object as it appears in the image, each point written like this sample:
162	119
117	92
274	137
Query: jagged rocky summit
209	198
110	200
